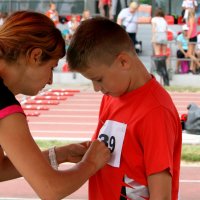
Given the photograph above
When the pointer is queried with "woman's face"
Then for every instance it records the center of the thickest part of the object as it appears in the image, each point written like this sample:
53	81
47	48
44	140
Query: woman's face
37	77
28	78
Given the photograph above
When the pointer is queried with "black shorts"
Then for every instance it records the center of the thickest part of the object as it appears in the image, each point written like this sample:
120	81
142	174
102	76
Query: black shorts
179	54
193	39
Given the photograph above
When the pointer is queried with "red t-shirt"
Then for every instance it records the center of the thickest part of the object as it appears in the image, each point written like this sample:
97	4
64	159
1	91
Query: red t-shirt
152	143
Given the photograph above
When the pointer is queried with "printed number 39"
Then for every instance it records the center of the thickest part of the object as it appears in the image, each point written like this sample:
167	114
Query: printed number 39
109	141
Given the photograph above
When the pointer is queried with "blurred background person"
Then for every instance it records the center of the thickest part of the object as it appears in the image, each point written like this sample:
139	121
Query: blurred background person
197	49
85	15
52	13
105	8
159	32
159	42
3	16
182	44
192	38
128	19
73	24
117	6
186	5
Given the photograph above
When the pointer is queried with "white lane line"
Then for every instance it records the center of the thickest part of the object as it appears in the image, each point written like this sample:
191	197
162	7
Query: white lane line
74	110
73	139
58	132
71	116
92	100
189	181
63	123
71	103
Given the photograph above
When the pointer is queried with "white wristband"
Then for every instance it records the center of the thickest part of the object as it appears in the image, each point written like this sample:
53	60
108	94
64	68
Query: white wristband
52	158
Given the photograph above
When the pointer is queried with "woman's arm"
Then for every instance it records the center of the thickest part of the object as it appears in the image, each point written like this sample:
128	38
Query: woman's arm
153	27
160	186
119	21
23	152
7	170
68	153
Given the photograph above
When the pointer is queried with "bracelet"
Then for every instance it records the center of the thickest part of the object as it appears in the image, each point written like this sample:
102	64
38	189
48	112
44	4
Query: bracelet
52	158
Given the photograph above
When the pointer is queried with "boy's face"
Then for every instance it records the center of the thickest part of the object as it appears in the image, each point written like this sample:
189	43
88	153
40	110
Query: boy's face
113	80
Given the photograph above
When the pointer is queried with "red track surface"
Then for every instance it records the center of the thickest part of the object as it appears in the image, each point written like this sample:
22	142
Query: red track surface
75	119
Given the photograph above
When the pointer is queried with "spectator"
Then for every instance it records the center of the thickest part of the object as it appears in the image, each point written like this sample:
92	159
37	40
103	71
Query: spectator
64	29
73	24
182	42
62	25
159	41
85	15
159	32
105	8
192	38
186	6
3	16
31	47
128	18
117	6
137	120
197	50
52	13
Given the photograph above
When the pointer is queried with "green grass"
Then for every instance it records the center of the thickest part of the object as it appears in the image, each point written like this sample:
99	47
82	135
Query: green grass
45	144
190	153
182	89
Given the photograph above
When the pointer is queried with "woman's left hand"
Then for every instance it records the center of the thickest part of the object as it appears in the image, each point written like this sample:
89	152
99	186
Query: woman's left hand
76	151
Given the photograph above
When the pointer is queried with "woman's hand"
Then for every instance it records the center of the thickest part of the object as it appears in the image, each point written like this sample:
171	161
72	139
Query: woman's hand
77	151
97	155
71	152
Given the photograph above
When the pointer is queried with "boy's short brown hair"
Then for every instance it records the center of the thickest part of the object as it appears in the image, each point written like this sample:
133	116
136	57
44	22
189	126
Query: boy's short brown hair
97	40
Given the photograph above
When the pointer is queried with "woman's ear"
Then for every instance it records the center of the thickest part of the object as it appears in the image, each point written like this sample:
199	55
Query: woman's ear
35	56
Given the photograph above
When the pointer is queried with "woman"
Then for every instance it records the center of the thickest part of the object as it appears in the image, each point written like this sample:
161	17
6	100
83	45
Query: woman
186	6
105	8
159	33
182	43
192	40
30	47
159	41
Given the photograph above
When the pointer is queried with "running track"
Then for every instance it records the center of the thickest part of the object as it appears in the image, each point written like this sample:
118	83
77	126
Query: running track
74	118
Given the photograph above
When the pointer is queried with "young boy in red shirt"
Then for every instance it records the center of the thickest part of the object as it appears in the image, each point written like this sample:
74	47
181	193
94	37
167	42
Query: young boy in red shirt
138	120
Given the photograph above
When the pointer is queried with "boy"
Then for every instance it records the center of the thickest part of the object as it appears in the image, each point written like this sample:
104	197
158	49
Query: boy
138	120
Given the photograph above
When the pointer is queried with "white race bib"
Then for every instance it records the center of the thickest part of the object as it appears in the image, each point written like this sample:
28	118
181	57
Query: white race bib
112	134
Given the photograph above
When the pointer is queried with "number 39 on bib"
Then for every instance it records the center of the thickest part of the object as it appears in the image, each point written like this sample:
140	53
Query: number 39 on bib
112	134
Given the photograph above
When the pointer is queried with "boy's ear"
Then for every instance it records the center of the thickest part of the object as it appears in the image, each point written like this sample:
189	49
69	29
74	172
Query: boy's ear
35	56
124	60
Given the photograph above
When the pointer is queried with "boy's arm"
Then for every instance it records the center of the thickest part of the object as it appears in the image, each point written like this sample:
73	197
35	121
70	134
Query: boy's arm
160	186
